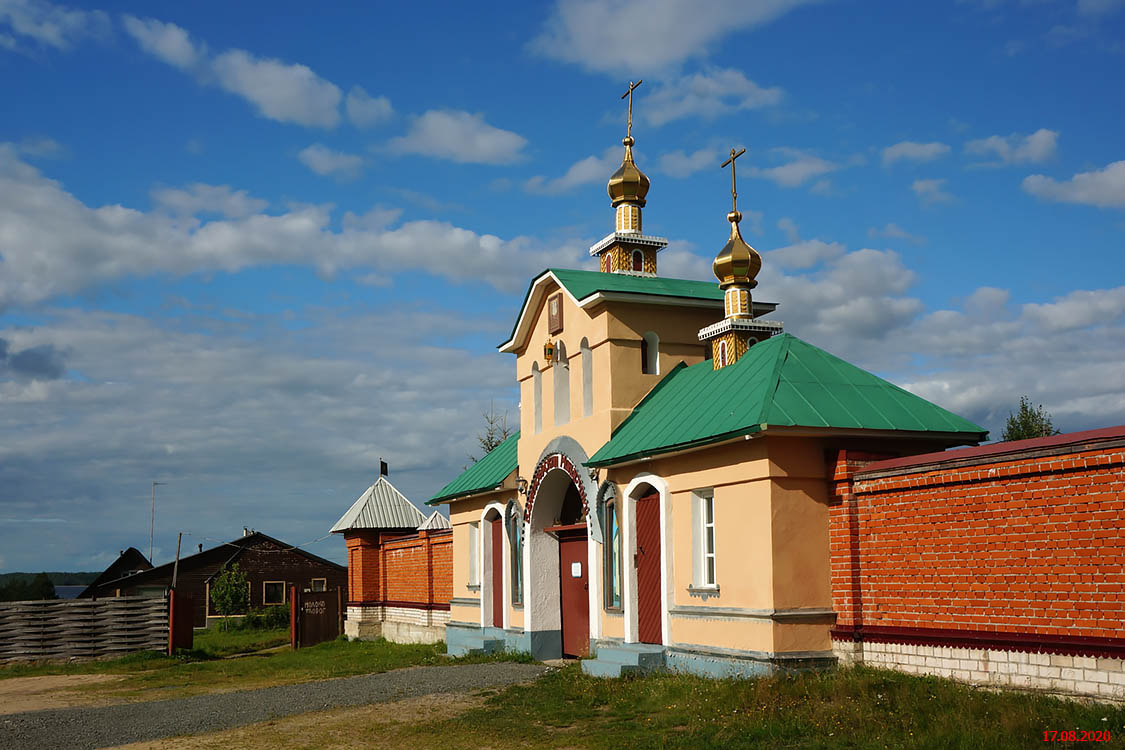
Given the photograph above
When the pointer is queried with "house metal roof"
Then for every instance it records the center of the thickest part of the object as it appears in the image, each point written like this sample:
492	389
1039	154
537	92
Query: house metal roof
486	474
587	287
381	506
435	522
782	381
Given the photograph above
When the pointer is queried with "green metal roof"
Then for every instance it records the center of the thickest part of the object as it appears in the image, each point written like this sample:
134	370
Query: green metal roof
486	474
781	381
582	284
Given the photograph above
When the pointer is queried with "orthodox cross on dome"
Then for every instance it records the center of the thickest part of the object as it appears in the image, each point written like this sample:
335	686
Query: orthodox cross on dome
733	186
629	93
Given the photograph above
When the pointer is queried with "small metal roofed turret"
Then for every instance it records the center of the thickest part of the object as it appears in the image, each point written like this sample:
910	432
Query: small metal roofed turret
627	249
736	267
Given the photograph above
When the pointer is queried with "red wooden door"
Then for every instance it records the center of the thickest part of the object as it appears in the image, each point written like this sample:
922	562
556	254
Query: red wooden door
648	568
574	592
497	573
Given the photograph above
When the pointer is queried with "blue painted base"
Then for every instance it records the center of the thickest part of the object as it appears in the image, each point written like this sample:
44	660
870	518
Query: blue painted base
615	658
462	639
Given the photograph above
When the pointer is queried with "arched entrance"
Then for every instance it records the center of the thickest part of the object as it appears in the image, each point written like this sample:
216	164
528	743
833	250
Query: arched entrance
648	565
558	606
492	552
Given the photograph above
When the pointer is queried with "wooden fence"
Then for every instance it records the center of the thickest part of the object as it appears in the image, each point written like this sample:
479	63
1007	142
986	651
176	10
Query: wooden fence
82	628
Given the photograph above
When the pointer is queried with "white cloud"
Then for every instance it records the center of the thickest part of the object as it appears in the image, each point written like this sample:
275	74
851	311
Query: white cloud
806	254
1104	188
55	244
582	172
895	232
1016	148
165	41
281	91
912	151
325	161
199	198
285	92
713	92
643	36
681	164
47	24
41	147
461	137
930	192
367	111
792	231
800	168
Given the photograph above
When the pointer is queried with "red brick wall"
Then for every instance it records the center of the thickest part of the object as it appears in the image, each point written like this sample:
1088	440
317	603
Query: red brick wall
1031	543
415	570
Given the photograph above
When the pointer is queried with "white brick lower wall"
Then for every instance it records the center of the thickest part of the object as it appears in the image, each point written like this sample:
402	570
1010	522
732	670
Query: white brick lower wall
1080	675
398	624
407	615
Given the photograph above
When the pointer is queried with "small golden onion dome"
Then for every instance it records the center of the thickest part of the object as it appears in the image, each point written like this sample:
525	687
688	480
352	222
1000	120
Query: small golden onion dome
737	262
628	184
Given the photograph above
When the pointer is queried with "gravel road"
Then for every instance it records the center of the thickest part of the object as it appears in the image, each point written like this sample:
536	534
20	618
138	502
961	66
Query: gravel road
136	722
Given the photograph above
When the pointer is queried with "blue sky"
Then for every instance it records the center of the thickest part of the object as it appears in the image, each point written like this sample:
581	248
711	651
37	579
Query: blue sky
249	249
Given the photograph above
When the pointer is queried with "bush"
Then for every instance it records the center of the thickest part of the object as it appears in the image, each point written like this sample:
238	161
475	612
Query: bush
230	593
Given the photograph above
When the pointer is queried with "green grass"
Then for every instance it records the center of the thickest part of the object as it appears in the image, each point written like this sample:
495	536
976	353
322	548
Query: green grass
215	643
152	676
848	708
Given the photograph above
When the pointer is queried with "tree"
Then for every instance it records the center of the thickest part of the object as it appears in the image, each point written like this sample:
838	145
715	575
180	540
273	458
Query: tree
1028	422
230	591
496	431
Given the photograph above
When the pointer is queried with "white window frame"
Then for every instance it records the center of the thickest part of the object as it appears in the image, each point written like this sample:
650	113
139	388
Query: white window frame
283	593
474	554
702	501
324	584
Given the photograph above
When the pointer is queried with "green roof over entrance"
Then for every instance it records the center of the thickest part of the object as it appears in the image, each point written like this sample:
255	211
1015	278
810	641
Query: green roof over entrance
486	474
782	381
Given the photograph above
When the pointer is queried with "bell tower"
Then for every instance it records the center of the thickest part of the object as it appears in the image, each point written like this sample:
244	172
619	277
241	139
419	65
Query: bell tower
736	267
627	249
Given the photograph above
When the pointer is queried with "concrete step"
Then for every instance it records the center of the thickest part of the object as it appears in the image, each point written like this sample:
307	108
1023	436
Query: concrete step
598	668
645	656
476	646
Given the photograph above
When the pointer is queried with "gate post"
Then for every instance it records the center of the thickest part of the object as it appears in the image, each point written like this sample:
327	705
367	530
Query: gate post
294	619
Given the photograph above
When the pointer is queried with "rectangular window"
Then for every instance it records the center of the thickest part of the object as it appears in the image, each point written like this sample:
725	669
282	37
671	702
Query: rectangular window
474	554
273	592
319	584
612	561
703	540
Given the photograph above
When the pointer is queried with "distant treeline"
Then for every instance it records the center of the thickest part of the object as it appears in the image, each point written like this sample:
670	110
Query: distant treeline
22	587
58	579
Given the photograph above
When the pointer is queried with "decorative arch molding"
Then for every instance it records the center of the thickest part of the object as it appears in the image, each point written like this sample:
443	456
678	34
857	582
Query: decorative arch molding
565	453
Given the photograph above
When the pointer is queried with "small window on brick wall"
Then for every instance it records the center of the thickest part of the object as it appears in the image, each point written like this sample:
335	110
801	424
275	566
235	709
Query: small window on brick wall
273	592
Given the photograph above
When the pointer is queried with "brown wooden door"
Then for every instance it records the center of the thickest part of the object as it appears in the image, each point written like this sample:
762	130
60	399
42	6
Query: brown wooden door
497	573
574	593
648	568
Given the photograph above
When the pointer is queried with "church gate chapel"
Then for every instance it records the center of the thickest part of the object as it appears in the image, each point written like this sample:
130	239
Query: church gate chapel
672	498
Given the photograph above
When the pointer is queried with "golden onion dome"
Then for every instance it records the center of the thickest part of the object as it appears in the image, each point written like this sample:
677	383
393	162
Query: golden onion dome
628	184
737	262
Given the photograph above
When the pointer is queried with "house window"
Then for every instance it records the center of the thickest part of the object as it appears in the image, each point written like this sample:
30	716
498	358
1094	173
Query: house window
587	377
562	386
703	539
612	562
515	539
638	260
650	354
474	554
273	592
319	584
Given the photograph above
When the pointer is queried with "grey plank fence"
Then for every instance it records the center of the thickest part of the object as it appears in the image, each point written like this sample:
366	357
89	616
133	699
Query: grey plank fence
82	628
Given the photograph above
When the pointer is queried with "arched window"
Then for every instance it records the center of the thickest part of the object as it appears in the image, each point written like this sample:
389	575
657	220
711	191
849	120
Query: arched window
650	354
638	260
722	354
514	520
587	377
537	395
612	560
562	386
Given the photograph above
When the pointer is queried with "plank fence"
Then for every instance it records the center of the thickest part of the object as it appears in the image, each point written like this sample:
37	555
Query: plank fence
82	628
